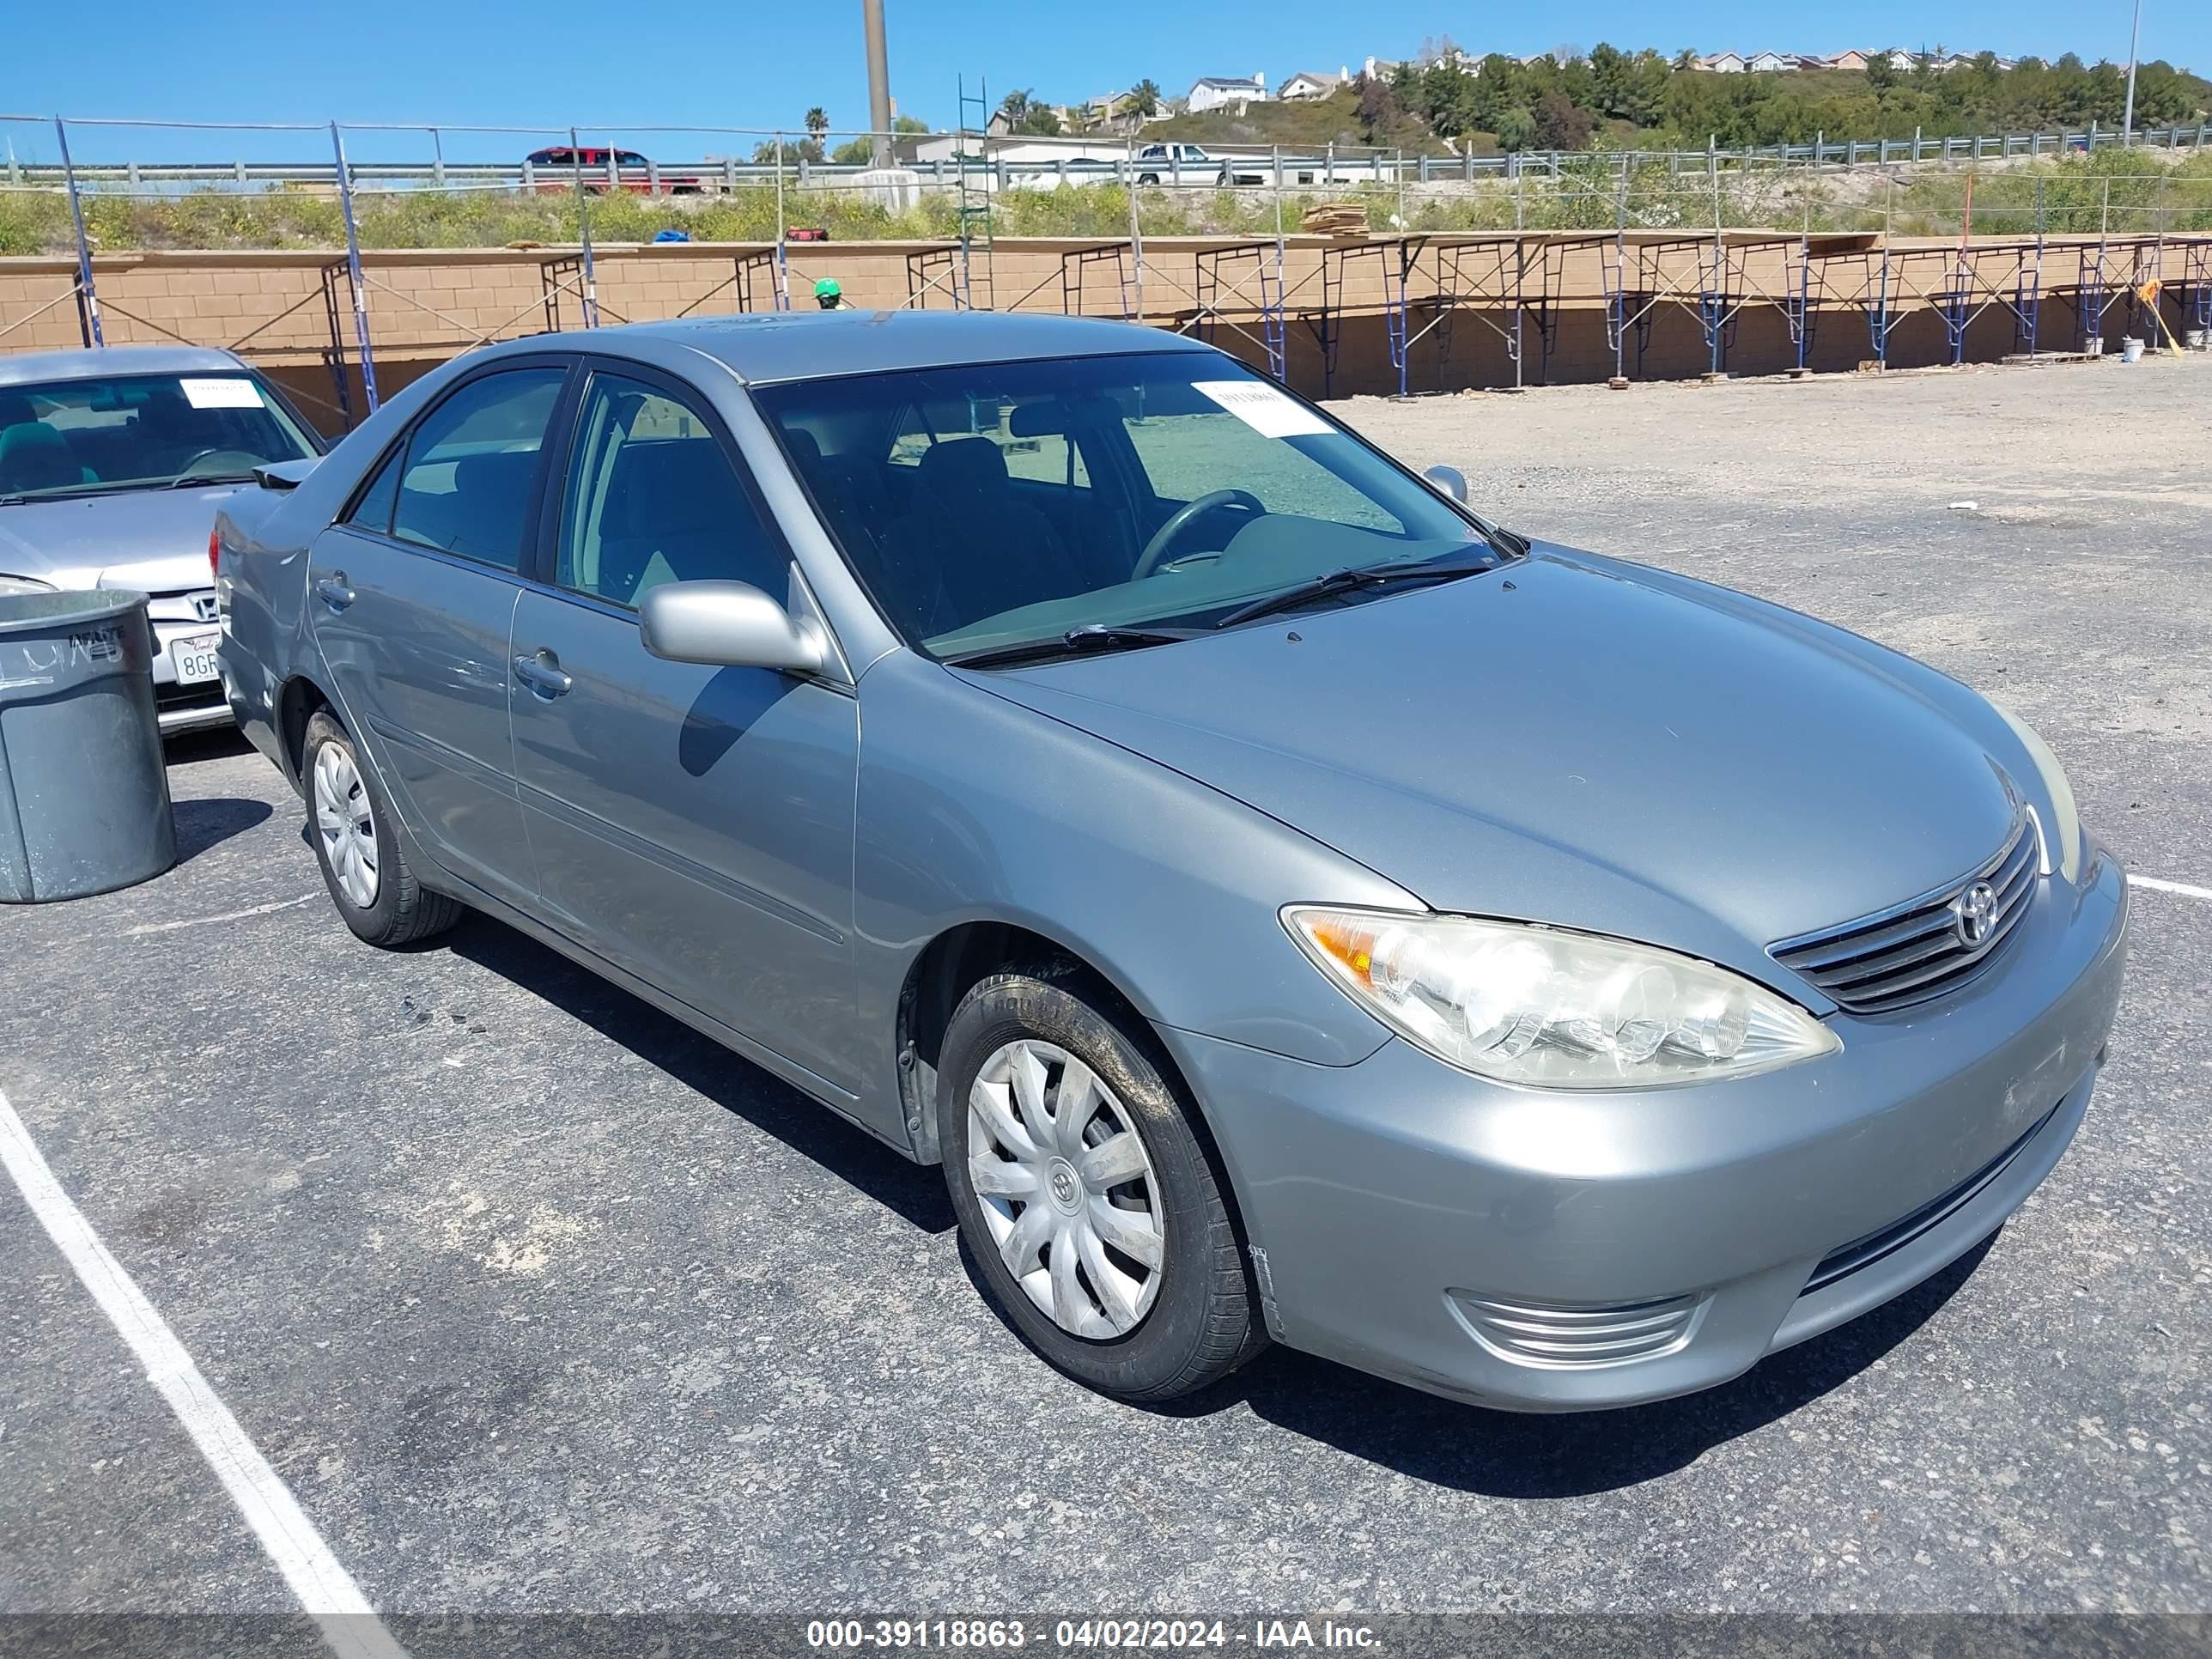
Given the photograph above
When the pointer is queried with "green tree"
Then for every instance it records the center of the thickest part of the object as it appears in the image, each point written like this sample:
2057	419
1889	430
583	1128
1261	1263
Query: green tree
1143	99
1880	73
817	123
1608	76
1516	128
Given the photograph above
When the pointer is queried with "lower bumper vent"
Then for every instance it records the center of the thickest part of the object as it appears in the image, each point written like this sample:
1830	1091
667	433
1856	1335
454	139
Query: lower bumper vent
1530	1334
1847	1259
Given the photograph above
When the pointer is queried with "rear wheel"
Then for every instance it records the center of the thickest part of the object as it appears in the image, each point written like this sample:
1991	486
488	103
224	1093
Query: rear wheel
367	875
1085	1193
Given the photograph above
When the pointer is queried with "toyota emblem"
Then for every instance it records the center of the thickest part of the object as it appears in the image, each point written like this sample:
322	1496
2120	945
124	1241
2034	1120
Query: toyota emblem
1974	915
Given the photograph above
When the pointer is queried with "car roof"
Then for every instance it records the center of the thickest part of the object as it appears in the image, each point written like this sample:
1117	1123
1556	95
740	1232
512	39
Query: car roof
100	362
765	347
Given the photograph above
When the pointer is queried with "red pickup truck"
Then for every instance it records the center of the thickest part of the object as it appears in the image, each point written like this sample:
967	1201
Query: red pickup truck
555	169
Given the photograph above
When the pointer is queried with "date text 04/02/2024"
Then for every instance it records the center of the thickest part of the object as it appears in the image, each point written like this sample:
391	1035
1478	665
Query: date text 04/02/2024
1085	1634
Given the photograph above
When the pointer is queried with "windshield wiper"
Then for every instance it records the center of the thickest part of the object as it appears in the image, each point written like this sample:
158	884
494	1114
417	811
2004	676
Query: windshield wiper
73	493
1354	576
196	480
1091	638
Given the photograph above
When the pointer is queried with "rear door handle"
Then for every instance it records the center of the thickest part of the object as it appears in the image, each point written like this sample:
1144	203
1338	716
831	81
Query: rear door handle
542	674
333	592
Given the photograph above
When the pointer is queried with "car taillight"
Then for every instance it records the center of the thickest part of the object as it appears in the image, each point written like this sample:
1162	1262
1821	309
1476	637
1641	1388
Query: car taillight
214	555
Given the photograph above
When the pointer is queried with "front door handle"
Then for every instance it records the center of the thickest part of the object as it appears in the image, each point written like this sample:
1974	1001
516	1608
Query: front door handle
333	592
542	674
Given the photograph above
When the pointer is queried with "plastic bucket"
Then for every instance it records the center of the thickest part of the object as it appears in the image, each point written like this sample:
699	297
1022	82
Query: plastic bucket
84	792
2131	350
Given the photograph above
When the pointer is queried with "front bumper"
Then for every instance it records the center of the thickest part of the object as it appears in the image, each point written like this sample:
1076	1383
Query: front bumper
194	706
1561	1252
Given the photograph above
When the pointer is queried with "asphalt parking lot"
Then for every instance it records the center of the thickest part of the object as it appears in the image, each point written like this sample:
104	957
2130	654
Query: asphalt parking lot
537	1301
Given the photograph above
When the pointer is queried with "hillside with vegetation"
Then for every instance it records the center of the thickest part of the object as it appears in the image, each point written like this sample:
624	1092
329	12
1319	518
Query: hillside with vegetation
1620	99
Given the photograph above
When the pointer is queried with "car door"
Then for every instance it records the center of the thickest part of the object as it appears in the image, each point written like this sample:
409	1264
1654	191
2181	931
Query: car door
692	824
413	595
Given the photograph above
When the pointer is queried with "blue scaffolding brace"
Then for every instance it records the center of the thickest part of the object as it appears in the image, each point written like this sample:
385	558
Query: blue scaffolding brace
2195	289
1250	274
2100	282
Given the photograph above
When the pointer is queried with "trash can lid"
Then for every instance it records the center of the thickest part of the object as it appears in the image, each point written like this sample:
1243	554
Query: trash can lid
26	613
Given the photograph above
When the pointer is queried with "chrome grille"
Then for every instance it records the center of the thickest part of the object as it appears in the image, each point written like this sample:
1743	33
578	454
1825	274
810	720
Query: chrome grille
1533	1335
1917	950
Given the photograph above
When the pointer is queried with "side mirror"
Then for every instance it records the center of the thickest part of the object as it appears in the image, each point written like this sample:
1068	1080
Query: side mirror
727	625
285	475
1448	481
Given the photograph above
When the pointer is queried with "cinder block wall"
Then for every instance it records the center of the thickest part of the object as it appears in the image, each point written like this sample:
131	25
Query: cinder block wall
292	312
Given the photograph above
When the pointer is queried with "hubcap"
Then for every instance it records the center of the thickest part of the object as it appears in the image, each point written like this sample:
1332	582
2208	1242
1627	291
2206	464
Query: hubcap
344	822
1066	1189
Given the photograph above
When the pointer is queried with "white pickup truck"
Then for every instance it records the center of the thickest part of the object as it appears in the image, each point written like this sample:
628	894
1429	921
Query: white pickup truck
1187	164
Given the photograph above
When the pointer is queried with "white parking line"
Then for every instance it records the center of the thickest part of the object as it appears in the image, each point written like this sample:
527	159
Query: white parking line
2158	886
209	921
325	1589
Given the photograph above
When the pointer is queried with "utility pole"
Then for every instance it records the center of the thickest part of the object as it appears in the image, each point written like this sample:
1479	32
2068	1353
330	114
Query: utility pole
879	81
2135	38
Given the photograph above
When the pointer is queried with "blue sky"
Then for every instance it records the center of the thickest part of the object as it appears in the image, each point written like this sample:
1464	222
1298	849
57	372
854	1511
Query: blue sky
747	64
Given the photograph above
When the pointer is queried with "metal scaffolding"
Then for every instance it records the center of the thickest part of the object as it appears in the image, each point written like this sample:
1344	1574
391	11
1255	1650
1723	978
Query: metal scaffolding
1250	274
1075	266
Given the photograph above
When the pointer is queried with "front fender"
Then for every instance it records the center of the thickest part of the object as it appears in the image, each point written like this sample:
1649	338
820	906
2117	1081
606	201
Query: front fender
973	809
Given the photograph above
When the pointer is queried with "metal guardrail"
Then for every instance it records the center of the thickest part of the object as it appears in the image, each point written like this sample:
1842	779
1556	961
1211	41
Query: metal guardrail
1330	165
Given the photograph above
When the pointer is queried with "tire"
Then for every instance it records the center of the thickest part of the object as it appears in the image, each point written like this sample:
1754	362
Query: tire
1148	179
359	854
1187	1322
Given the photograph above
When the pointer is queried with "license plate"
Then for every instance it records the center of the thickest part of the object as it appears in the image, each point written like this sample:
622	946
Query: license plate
194	659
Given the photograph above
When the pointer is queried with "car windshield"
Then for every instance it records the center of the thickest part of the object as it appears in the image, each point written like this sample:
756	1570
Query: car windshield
991	505
140	432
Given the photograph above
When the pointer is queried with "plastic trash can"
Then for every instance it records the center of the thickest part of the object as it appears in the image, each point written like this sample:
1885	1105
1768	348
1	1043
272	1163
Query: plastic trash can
84	794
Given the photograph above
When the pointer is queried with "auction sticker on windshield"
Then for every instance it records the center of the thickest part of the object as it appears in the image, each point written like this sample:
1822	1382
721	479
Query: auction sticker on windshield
1262	408
227	393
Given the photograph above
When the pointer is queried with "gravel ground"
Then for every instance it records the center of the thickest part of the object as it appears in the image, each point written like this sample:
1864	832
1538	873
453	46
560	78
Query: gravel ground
540	1302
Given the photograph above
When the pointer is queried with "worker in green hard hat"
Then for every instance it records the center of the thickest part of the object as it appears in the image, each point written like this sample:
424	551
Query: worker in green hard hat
829	296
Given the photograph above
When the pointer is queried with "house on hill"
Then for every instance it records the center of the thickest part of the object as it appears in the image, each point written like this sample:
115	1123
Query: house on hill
1722	63
1770	62
1218	91
1309	83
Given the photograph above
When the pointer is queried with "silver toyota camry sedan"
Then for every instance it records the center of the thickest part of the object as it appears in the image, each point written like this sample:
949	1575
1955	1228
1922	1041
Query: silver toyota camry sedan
1288	904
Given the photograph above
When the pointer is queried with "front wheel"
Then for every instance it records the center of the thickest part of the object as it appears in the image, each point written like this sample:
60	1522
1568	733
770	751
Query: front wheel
367	875
1085	1193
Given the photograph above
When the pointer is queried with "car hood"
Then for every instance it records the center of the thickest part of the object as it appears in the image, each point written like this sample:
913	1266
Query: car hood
155	540
1577	741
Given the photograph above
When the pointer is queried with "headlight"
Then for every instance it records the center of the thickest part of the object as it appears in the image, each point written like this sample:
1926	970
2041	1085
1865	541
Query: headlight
2061	834
1554	1010
24	584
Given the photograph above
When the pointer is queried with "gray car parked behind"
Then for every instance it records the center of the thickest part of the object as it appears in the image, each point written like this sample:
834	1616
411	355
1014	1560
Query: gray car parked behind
1288	904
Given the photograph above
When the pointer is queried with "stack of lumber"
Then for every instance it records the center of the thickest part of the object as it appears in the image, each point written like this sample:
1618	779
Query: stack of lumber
1336	219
